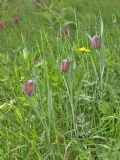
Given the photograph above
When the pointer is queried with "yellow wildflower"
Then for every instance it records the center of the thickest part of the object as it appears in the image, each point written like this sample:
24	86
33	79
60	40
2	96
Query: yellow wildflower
84	50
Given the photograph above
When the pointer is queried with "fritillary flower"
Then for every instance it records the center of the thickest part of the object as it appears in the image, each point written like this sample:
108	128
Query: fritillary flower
29	87
3	26
65	66
96	42
16	20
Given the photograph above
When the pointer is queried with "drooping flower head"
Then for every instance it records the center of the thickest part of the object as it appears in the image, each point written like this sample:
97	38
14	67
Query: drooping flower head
16	20
3	26
65	66
29	87
96	42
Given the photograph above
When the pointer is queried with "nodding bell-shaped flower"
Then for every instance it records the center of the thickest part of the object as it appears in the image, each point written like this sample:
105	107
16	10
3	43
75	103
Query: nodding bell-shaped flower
16	20
3	26
96	42
29	87
65	66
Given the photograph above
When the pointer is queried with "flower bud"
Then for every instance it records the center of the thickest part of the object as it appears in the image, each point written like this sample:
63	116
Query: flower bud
65	65
29	87
16	20
96	42
3	26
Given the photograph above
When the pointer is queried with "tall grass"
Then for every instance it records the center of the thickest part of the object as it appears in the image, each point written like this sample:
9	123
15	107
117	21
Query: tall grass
73	116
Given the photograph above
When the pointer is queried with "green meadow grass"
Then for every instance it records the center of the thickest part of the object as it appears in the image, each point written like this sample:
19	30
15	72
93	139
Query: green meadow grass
73	116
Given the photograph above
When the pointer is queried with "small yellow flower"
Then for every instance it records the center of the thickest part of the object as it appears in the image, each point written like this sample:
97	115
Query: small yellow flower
84	50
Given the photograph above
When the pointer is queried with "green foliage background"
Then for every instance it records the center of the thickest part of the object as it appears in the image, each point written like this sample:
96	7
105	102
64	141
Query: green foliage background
74	116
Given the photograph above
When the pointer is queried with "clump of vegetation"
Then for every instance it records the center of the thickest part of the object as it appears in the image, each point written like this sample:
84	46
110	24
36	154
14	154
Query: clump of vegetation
59	80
